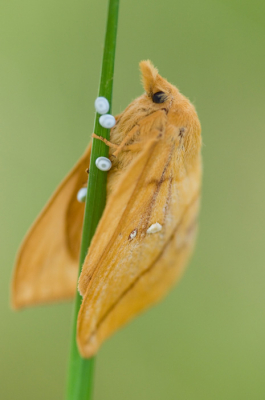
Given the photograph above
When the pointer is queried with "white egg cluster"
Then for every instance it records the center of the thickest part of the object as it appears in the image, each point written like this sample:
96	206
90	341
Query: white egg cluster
106	121
102	107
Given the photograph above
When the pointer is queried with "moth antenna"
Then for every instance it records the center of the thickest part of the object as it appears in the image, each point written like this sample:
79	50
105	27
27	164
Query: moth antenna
151	80
149	75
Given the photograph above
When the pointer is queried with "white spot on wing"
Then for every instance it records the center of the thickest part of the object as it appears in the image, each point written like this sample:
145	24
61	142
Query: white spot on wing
133	234
154	228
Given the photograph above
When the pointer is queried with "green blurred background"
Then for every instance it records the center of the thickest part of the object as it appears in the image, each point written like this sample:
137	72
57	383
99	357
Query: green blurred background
206	339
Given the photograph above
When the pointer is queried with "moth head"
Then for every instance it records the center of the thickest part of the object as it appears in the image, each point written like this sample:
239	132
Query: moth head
160	94
158	89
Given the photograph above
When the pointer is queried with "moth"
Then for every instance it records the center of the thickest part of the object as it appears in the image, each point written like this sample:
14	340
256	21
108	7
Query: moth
147	231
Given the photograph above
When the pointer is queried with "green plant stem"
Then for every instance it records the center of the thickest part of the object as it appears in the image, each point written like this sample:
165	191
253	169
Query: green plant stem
81	370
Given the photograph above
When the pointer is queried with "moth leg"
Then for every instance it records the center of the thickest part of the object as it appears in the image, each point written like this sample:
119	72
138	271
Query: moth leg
115	146
125	140
134	146
153	117
160	115
138	146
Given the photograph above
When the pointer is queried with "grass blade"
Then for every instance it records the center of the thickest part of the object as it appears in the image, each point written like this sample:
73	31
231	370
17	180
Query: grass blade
81	370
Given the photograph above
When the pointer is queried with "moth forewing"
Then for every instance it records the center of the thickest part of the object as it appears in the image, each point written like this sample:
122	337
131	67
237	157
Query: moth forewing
123	183
47	261
150	286
126	258
113	218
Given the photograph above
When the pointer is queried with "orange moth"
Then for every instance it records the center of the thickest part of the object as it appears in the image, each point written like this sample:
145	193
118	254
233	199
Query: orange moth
147	232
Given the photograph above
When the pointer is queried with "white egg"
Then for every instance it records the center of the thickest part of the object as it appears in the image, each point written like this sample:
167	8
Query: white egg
81	195
101	105
107	121
103	163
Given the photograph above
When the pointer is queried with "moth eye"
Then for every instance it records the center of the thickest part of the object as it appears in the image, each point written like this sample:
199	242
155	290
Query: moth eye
159	97
101	105
103	163
107	121
81	195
